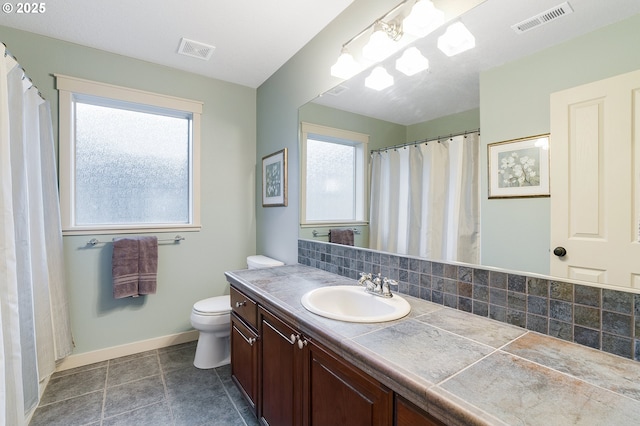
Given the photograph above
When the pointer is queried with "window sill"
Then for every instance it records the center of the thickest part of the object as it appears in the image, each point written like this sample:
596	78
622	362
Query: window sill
130	229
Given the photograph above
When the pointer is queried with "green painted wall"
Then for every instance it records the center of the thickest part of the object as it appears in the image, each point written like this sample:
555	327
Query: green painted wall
187	272
514	103
454	123
300	80
381	133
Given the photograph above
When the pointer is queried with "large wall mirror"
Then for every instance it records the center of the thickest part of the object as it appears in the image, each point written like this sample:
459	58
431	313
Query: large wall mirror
502	87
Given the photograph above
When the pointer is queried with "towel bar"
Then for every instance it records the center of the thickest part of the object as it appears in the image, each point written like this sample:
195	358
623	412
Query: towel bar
316	234
94	241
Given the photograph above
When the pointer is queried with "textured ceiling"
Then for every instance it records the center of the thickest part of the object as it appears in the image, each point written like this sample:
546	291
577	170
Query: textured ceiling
253	38
451	85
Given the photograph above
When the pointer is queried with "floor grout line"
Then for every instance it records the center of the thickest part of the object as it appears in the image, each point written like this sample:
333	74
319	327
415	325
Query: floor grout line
166	390
226	391
104	394
162	406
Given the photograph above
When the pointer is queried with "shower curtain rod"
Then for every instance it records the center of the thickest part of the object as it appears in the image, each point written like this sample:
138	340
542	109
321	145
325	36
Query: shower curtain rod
416	143
24	72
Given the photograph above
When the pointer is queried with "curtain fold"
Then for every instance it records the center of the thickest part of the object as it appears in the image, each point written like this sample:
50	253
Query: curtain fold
11	389
425	200
35	329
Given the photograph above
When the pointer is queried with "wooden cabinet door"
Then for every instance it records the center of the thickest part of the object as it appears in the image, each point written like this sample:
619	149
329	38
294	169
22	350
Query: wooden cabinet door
280	372
340	394
408	414
244	359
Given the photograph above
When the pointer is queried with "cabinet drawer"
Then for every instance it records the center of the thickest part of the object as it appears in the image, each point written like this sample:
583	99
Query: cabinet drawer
244	358
244	307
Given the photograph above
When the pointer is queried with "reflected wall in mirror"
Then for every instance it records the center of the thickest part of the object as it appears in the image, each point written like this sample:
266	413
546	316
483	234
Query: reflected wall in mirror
503	87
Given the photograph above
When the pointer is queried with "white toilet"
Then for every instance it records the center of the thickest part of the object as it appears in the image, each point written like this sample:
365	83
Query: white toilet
212	318
259	261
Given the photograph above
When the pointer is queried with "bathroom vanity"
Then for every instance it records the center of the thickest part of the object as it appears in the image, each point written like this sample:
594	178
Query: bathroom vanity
434	366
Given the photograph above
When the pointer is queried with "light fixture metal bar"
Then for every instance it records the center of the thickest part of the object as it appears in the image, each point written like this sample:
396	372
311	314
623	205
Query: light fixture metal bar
380	19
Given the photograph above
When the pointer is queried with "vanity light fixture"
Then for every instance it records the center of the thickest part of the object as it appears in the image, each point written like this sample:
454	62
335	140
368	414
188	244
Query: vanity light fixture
382	42
346	66
423	19
456	40
379	79
387	35
412	62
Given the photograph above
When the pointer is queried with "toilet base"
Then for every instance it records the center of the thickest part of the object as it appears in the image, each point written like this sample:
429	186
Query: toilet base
211	351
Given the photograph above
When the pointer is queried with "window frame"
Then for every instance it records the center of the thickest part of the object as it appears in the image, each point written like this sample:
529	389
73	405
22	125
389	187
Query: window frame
70	87
361	141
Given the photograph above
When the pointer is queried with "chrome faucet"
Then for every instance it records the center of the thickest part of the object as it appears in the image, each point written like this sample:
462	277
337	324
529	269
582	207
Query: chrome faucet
377	285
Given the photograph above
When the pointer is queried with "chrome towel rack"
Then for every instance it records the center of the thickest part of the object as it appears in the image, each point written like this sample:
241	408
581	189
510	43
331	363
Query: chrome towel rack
317	234
175	240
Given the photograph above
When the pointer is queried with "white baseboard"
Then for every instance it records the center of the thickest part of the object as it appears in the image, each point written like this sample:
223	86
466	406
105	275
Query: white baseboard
86	358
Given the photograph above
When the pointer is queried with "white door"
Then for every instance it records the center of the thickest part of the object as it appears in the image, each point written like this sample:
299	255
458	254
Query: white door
595	181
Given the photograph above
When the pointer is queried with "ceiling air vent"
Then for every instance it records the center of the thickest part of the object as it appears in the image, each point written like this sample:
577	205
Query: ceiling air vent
543	18
336	90
195	49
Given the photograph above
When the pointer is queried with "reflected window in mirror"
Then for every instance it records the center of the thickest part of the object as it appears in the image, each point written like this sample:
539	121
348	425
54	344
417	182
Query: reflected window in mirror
334	175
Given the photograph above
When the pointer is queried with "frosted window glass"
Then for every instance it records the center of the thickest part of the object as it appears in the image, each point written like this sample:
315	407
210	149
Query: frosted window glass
131	167
330	181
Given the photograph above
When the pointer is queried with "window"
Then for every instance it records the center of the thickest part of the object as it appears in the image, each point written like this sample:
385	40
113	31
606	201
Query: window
334	170
128	159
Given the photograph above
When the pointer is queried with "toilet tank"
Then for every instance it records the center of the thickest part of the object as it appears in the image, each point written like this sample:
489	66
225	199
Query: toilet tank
259	261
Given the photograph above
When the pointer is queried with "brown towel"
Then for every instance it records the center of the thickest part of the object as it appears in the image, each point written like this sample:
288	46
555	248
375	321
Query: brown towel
147	265
124	267
134	265
341	236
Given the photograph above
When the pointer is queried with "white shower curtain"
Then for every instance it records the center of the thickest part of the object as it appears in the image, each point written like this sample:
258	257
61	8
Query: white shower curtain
425	200
35	329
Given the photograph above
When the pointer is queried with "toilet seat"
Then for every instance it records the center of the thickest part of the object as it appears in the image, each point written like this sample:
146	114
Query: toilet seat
213	306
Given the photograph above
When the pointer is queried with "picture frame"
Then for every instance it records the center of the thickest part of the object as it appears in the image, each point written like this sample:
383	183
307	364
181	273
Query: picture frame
274	179
519	168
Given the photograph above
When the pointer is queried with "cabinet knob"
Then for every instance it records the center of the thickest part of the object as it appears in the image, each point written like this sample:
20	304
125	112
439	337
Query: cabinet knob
239	304
302	343
559	251
251	340
294	338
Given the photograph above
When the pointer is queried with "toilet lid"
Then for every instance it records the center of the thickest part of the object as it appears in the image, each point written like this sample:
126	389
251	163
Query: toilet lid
218	305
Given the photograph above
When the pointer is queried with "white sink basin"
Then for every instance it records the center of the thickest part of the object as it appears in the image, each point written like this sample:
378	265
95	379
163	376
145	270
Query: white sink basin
352	304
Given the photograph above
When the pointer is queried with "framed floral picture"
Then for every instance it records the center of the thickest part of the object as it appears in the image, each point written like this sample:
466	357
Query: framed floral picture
274	179
519	167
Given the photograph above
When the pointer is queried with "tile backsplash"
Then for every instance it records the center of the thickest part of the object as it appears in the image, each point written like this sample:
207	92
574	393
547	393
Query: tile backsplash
600	318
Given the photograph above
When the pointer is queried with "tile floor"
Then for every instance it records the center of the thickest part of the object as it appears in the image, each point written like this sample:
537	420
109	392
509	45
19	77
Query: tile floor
158	387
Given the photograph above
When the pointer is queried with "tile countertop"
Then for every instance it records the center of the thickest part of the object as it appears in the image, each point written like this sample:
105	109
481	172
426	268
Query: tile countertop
460	367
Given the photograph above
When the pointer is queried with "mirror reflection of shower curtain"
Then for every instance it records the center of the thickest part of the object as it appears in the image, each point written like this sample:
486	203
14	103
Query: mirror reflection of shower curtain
425	200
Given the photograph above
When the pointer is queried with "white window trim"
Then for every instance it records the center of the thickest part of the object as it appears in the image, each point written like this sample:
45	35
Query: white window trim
67	87
310	128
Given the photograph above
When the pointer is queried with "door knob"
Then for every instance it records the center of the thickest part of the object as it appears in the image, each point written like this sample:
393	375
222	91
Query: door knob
559	251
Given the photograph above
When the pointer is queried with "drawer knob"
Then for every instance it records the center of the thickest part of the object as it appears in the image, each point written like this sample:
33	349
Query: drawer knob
239	304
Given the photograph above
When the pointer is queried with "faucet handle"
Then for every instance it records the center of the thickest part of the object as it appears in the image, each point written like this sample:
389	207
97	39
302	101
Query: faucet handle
364	278
390	282
386	290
